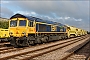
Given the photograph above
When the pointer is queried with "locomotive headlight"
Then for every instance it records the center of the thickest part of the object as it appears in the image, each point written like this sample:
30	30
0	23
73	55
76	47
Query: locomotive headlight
4	34
24	33
10	33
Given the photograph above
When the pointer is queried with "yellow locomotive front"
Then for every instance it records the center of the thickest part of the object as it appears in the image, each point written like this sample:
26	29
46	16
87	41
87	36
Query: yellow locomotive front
19	28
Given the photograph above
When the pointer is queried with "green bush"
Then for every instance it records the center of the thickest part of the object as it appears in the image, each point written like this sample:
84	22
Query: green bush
4	24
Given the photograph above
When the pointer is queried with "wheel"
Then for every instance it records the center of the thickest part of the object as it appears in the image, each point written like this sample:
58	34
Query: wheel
44	39
31	42
38	39
15	45
12	41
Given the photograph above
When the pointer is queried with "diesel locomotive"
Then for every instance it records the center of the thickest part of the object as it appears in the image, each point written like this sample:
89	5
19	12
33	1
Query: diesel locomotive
28	30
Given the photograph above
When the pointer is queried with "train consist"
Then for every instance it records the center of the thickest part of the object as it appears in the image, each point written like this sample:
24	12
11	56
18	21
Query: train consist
4	35
28	30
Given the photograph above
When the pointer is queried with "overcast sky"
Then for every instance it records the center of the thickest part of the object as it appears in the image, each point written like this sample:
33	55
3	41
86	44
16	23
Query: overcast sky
71	12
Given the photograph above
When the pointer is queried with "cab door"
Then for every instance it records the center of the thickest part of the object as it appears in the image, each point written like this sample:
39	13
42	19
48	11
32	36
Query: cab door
31	27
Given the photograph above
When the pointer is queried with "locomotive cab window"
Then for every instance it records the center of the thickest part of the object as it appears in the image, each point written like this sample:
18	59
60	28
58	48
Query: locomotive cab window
22	23
30	24
13	23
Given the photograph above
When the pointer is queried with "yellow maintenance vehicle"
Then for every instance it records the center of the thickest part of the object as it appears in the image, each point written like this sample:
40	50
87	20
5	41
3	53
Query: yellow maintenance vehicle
72	31
4	34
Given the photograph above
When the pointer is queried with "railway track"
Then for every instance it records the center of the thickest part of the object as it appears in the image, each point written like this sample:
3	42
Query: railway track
62	53
89	58
32	52
3	40
82	53
9	49
5	49
4	44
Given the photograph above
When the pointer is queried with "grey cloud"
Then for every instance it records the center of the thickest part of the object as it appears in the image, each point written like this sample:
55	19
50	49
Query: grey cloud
5	12
77	9
72	8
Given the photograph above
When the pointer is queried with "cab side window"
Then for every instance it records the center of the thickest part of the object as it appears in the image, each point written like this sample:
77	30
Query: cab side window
30	24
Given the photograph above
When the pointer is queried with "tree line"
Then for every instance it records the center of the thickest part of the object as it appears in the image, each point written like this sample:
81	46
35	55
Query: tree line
4	24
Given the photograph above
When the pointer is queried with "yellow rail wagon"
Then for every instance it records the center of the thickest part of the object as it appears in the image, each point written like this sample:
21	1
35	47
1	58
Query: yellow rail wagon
72	31
79	32
84	32
4	34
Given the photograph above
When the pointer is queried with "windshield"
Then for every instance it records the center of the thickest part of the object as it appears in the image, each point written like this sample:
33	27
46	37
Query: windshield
22	23
13	23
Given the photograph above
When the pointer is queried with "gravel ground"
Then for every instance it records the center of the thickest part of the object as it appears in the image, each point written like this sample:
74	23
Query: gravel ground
82	54
58	54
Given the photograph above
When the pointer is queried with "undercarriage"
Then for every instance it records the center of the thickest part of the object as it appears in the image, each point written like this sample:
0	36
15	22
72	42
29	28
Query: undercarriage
32	40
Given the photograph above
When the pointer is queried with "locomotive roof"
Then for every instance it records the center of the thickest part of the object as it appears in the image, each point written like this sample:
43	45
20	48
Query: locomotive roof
35	18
